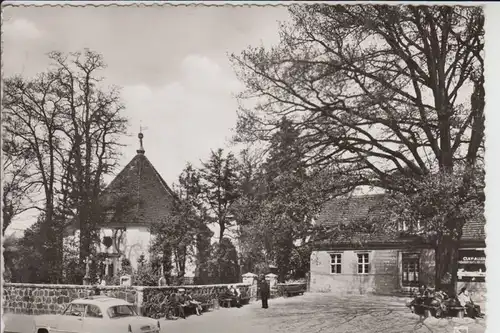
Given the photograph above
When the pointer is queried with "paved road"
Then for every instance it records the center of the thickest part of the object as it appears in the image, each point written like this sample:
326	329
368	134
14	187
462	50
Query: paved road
311	313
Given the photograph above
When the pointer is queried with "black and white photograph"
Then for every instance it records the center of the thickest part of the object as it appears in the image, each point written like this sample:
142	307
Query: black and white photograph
247	167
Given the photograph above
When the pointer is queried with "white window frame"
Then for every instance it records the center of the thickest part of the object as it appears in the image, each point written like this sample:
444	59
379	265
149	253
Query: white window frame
365	264
335	263
416	272
419	225
403	226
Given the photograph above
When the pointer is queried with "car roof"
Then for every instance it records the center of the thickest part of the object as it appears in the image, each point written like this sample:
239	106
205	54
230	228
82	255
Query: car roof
101	301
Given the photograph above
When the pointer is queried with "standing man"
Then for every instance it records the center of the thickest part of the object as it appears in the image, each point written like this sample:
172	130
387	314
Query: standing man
238	297
264	292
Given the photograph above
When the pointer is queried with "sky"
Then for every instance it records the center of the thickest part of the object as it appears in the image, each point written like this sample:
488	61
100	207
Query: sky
170	61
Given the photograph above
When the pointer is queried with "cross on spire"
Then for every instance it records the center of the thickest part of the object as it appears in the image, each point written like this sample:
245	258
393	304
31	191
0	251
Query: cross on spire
141	136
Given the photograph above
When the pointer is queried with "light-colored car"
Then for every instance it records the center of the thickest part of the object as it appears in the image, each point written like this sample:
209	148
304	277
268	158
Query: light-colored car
97	314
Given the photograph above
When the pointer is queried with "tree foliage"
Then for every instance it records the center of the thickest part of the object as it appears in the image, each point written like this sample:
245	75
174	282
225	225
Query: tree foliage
381	95
437	211
220	188
23	262
177	234
280	203
222	265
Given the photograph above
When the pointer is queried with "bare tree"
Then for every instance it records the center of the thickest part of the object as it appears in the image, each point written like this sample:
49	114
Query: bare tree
32	116
68	123
380	94
93	124
18	183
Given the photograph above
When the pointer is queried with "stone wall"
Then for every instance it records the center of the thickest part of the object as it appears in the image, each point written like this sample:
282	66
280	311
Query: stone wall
50	298
152	296
283	289
38	299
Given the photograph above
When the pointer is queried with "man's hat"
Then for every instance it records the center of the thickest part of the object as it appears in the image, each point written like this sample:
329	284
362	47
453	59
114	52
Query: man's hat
182	289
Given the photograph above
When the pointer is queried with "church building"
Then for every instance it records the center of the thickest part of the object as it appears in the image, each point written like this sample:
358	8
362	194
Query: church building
136	198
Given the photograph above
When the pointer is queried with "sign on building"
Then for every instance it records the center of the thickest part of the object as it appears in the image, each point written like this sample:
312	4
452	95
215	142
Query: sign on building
471	265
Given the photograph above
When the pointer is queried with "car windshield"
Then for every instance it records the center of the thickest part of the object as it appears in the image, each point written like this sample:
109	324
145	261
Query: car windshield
121	311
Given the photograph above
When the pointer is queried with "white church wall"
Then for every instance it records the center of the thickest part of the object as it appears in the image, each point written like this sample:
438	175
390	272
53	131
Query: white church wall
135	242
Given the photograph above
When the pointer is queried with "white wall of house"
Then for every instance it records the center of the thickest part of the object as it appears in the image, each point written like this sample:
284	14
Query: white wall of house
323	280
384	275
381	277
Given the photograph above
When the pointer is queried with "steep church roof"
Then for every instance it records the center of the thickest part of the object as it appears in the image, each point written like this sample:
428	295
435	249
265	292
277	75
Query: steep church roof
138	195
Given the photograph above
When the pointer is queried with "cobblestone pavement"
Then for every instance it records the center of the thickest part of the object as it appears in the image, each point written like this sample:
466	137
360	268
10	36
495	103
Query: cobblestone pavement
311	313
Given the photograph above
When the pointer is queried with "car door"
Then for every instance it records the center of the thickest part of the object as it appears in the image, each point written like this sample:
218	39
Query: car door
71	321
93	320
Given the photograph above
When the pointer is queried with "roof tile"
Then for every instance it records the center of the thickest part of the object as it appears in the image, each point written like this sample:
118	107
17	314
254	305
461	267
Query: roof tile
365	208
138	195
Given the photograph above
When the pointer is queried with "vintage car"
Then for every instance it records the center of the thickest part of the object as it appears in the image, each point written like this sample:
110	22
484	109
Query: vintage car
97	314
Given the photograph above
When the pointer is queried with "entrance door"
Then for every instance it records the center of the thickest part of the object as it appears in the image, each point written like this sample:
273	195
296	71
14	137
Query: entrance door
410	269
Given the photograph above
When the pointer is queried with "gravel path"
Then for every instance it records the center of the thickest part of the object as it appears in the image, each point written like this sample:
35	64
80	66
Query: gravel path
311	313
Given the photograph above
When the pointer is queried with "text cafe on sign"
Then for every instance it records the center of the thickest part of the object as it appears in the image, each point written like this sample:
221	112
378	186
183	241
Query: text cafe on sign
472	265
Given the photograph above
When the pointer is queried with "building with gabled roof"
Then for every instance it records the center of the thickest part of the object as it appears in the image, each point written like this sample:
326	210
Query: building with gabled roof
384	261
138	192
135	199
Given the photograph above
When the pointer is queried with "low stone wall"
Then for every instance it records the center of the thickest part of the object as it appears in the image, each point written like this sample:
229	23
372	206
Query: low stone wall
38	299
53	298
152	296
284	289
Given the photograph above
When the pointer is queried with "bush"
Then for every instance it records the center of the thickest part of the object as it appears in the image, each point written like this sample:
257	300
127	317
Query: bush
146	276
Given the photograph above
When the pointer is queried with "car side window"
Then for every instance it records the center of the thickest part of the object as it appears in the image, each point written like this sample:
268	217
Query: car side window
93	311
75	310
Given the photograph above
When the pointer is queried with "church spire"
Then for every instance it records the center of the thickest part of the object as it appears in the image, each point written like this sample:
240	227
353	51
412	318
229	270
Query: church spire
141	148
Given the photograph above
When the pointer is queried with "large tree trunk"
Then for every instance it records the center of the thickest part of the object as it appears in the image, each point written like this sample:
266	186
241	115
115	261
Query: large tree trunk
446	253
203	255
180	256
284	256
49	244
